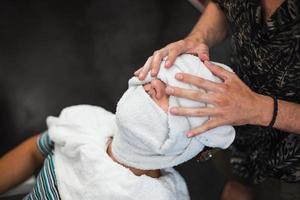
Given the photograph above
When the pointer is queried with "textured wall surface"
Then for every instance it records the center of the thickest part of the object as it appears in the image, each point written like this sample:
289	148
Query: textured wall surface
55	54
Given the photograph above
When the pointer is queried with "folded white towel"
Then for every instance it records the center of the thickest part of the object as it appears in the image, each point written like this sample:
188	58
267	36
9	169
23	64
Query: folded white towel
149	138
83	169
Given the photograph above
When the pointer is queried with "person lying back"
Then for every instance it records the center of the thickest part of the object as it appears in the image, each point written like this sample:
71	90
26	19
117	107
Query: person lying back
90	153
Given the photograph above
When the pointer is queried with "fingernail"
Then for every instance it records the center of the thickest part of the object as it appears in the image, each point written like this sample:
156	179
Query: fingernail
140	76
189	134
179	76
173	110
169	90
167	63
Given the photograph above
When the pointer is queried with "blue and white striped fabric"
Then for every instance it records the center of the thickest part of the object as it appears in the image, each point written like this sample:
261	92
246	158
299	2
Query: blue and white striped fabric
46	185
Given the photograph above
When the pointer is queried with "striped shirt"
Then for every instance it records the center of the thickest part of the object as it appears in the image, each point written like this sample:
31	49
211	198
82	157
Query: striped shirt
46	185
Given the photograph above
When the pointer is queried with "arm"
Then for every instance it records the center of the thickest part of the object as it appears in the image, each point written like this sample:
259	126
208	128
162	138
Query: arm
211	27
209	30
234	103
288	116
19	164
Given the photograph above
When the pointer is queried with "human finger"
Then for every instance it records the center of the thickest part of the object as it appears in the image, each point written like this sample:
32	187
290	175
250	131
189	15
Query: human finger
197	112
199	82
217	70
157	59
173	54
191	94
145	69
201	50
204	57
210	124
175	49
137	72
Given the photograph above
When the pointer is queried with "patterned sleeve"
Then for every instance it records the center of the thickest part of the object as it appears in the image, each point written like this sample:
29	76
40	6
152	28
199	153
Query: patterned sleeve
219	2
45	145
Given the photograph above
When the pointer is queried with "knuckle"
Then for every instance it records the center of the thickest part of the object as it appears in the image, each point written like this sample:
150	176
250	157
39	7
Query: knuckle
188	43
176	91
199	82
171	45
197	95
202	47
173	51
181	42
157	53
176	45
155	67
198	112
224	88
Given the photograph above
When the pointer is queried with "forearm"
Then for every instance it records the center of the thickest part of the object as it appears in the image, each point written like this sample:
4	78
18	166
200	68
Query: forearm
288	115
211	27
19	164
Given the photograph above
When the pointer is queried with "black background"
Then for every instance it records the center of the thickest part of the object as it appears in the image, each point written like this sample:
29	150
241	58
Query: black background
55	53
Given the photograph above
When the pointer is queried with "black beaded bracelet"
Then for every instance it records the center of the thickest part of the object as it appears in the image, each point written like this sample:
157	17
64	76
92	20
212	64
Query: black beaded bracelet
275	110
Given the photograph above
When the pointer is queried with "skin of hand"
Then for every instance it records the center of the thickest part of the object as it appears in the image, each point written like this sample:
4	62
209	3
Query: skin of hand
229	106
188	45
233	101
210	29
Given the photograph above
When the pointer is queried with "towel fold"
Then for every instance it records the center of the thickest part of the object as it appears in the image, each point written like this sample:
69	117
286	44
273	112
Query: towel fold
83	169
149	138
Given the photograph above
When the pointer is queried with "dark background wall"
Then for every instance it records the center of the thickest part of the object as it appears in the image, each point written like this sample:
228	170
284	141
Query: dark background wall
57	53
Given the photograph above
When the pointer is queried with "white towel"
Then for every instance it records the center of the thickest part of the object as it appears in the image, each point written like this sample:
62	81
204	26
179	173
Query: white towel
84	171
148	138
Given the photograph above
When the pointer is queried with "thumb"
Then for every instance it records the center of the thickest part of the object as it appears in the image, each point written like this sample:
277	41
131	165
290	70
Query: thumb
202	51
204	57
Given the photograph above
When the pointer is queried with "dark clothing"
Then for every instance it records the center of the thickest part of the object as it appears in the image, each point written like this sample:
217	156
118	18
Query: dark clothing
274	189
266	56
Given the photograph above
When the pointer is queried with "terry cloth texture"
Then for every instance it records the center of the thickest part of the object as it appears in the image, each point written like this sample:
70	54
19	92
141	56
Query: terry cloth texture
85	171
149	138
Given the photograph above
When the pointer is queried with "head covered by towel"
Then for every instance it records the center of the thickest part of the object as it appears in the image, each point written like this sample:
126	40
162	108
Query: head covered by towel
148	137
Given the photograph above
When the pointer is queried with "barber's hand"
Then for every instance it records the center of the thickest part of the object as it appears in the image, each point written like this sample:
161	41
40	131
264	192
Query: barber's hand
233	101
173	50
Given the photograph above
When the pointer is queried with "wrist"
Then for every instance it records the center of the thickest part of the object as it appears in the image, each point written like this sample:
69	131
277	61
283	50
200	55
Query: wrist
264	111
195	37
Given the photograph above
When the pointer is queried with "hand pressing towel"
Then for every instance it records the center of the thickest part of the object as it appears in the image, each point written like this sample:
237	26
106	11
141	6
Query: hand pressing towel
149	138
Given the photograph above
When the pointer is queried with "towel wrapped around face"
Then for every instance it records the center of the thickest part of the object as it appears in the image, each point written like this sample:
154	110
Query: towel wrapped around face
85	171
148	137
